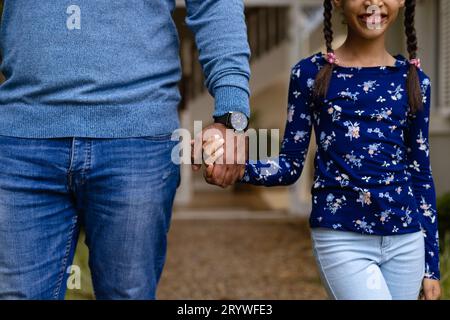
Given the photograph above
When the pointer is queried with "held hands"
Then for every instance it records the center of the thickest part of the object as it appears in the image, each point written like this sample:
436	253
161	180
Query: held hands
431	290
223	152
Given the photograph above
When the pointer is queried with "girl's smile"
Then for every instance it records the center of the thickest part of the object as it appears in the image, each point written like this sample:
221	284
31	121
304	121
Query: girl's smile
369	19
373	19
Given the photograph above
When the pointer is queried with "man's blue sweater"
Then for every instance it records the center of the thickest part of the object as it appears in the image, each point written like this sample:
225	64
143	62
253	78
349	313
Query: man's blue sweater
110	69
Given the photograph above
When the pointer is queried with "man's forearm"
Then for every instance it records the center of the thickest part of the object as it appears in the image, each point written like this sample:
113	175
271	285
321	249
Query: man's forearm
221	37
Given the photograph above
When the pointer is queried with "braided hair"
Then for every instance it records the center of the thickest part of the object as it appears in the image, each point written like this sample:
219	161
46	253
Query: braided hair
413	81
323	78
322	81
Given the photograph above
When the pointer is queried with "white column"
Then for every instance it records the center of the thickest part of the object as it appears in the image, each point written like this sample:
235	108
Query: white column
185	190
302	27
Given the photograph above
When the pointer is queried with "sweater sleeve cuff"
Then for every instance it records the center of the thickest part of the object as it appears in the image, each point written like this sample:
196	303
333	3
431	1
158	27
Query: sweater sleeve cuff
432	275
432	270
231	98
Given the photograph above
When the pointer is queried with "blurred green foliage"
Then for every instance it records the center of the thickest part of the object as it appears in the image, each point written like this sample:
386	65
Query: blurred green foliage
81	260
443	211
445	268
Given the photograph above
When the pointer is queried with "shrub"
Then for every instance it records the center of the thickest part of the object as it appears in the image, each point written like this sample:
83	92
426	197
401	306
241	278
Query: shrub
443	210
445	268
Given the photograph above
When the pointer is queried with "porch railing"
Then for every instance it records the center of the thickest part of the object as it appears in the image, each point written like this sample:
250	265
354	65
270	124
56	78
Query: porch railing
267	27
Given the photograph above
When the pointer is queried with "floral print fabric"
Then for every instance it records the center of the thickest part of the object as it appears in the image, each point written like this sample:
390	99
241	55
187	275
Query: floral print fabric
372	162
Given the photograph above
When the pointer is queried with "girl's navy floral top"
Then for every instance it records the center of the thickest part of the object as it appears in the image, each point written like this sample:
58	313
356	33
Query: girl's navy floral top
372	162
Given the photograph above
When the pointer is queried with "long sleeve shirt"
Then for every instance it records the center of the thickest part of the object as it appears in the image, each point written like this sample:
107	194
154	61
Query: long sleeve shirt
372	162
110	69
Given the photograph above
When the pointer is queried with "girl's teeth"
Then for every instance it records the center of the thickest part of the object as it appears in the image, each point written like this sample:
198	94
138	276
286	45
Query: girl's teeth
374	19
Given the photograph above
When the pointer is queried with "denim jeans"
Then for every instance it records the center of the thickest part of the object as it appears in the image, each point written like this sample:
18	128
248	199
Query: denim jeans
368	267
120	190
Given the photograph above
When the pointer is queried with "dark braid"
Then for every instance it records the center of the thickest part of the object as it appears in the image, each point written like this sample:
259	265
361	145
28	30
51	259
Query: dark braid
413	80
323	77
327	24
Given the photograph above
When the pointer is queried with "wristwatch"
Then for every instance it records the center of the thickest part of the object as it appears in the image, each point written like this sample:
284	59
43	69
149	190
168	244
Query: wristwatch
234	120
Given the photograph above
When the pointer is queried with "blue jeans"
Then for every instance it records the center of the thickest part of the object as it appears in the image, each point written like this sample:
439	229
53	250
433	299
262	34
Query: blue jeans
120	190
368	267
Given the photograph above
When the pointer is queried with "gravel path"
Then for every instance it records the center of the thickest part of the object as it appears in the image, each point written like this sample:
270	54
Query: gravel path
241	249
240	259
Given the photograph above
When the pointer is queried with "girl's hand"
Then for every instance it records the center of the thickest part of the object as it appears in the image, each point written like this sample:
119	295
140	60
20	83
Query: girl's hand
431	289
242	173
213	150
213	155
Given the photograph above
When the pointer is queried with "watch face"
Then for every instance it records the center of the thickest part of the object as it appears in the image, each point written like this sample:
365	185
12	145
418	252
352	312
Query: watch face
238	121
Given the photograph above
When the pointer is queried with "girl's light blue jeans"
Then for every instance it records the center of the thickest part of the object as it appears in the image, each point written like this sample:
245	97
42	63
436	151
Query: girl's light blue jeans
369	267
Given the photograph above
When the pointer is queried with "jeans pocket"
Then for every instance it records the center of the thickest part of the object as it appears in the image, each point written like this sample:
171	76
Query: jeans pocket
158	137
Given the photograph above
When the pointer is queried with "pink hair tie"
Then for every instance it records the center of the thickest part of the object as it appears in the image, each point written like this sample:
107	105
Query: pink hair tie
415	62
331	57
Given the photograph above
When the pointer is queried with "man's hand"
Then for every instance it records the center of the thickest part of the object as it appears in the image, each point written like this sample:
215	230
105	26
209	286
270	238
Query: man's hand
431	289
228	160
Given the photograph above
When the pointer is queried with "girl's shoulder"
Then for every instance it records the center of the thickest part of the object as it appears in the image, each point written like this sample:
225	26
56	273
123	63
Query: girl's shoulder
425	80
311	64
403	61
307	68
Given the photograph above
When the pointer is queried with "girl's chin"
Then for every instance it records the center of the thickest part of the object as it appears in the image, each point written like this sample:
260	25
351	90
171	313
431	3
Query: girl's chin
365	32
370	34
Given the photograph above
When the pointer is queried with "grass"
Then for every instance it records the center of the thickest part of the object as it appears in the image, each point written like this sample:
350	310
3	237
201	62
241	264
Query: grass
445	268
81	260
